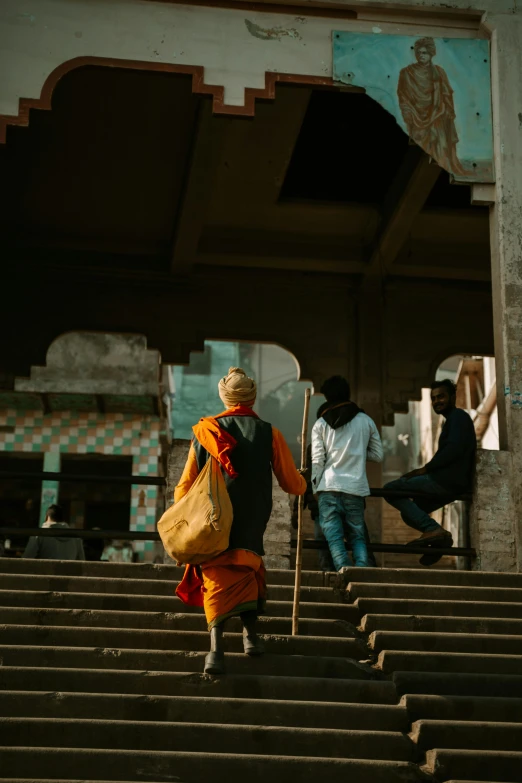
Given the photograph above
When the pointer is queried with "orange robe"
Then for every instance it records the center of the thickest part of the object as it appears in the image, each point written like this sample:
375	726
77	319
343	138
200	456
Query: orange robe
234	581
426	102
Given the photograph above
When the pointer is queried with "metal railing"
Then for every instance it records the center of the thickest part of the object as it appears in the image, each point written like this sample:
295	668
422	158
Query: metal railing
132	535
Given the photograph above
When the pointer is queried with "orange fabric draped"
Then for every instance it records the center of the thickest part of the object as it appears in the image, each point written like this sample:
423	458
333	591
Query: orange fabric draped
219	443
229	584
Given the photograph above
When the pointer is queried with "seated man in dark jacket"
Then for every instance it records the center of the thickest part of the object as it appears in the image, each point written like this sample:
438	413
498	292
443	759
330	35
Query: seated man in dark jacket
445	477
56	548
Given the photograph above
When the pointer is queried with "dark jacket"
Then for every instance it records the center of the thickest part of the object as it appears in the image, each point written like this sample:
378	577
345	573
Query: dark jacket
56	548
251	491
453	465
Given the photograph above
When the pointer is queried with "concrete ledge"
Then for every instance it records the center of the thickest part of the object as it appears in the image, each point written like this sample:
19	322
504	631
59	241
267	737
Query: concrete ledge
434	592
151	603
439	576
463	708
447	608
503	766
244	686
434	624
458	684
392	661
194	767
182	661
191	737
165	621
179	640
470	735
11	565
484	644
156	587
204	709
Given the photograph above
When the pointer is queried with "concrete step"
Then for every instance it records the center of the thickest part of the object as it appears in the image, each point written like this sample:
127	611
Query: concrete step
140	639
201	709
433	592
487	735
11	565
403	660
151	603
468	625
462	708
214	738
489	644
158	683
156	587
446	608
181	661
165	621
457	684
486	765
132	765
440	576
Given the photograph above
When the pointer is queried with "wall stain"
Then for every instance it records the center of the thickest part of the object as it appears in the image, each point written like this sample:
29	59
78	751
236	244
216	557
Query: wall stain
27	18
271	33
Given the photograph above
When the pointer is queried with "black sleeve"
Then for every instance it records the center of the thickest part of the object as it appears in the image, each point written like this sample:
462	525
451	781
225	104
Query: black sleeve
459	438
201	454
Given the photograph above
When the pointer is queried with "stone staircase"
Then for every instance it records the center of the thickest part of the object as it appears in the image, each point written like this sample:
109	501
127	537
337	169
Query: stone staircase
399	676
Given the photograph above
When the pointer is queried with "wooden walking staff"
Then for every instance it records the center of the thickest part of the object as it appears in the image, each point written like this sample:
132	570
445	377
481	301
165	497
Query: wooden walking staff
300	509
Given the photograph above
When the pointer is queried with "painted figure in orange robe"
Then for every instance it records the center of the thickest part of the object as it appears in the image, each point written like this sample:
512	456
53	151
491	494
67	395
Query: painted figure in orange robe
426	103
248	449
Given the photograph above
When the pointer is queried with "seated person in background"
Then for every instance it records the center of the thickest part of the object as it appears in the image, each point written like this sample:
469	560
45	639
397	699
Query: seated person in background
118	552
343	439
58	548
445	477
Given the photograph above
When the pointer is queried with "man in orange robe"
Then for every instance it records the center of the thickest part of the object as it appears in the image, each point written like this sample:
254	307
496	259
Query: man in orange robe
248	449
426	102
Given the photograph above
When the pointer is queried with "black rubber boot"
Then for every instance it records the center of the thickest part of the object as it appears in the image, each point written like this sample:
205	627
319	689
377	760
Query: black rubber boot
252	644
215	660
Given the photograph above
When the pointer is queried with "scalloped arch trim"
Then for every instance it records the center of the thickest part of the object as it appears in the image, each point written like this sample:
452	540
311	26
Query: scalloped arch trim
198	86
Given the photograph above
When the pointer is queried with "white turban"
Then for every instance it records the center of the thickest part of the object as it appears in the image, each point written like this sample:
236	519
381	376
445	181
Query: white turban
237	388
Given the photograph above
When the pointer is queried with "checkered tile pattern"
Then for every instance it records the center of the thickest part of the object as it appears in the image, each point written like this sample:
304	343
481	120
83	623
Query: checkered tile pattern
92	433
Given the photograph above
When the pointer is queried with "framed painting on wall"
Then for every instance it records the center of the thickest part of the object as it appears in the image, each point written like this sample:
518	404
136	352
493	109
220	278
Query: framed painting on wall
438	90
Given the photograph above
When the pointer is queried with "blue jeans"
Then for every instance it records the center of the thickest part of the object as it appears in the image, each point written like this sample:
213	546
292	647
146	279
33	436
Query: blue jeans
416	512
340	514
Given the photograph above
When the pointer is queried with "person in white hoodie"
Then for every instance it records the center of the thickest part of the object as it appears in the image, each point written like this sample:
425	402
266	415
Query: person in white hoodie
344	438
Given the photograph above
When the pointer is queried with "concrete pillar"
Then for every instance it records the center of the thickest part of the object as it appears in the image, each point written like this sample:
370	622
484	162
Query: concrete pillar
491	517
178	454
506	256
368	385
50	489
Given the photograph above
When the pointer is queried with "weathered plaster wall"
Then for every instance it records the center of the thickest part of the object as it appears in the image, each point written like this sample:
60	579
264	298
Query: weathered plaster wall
96	363
506	258
491	519
36	39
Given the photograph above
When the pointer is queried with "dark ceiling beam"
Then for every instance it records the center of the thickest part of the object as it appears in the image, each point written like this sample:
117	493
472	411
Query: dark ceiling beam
297	264
404	200
204	160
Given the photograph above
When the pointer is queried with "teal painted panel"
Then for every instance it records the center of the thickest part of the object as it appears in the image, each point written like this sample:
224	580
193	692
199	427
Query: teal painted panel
438	90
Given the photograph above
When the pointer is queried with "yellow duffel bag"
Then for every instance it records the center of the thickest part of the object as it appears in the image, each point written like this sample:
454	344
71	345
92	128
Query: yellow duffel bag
197	528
